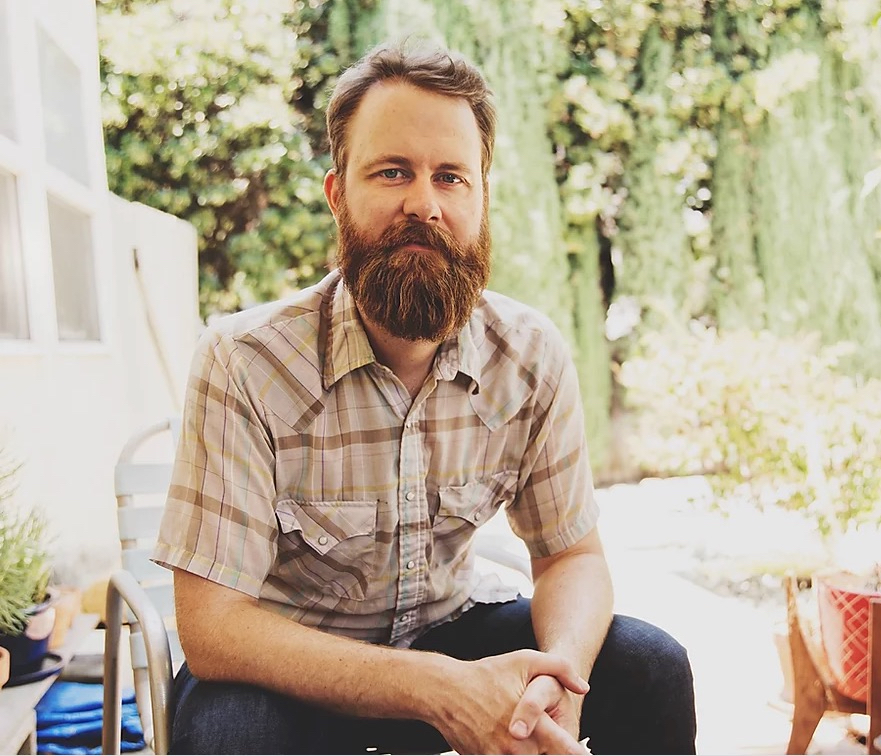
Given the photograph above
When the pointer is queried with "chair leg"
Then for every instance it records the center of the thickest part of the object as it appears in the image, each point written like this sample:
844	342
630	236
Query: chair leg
809	694
810	704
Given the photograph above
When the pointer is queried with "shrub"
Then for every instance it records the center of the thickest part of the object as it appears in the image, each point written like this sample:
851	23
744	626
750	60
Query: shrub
770	420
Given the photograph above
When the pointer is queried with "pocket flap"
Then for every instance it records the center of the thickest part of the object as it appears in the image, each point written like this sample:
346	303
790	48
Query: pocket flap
324	524
478	500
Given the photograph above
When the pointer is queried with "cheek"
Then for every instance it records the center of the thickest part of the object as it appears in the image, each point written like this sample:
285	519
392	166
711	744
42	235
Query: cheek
464	223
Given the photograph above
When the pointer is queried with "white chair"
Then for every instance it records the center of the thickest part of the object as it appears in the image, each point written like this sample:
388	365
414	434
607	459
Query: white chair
146	590
141	594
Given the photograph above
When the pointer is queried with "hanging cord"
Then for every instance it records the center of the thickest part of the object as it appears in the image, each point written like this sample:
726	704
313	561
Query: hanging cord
154	333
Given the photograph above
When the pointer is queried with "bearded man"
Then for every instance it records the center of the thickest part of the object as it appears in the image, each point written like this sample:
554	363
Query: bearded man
339	450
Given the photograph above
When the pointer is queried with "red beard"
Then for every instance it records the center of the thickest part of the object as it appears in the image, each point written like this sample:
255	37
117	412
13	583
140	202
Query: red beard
413	295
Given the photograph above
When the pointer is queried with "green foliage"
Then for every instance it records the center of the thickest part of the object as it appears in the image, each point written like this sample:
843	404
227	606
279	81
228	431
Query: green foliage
214	112
24	558
721	149
771	420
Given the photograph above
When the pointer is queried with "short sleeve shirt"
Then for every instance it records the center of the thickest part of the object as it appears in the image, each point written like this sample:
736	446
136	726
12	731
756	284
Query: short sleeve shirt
307	476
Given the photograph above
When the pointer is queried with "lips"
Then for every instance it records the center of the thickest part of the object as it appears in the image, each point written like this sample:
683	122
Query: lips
419	248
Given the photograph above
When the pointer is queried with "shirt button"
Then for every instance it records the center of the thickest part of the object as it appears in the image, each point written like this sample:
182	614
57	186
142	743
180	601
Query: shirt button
322	540
410	496
411	564
476	516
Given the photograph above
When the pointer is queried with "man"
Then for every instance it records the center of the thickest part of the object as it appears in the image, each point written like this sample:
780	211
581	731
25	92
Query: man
338	452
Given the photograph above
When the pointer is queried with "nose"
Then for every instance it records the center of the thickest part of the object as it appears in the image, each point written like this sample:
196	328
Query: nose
420	202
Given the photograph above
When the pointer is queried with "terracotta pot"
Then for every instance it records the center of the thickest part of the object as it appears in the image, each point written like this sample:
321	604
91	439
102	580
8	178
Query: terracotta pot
67	606
843	602
27	651
4	666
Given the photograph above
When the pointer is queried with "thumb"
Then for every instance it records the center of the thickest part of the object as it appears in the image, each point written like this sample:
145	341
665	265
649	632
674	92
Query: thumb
556	666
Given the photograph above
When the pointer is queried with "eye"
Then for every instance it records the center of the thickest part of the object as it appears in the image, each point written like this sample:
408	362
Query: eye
391	173
449	178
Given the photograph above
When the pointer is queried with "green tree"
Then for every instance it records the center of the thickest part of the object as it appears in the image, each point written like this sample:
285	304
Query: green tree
213	112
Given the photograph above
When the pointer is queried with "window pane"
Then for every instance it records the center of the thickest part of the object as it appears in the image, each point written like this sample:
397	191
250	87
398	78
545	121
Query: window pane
63	122
13	301
7	113
74	273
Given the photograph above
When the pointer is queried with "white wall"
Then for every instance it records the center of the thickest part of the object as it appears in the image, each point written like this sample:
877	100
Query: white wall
69	413
66	407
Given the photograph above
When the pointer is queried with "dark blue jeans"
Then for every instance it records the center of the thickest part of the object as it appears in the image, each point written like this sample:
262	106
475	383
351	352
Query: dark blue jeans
641	697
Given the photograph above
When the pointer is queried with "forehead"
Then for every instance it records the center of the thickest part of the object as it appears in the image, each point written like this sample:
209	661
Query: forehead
401	119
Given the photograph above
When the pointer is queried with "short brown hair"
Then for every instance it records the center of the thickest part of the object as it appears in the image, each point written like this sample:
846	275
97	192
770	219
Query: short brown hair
435	70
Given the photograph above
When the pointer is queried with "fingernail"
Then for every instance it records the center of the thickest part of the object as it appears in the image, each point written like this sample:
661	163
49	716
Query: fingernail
519	729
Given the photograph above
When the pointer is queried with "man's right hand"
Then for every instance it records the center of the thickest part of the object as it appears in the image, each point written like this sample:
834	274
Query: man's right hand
474	712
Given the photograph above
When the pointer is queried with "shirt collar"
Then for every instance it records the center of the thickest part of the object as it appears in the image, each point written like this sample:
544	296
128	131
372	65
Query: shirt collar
345	347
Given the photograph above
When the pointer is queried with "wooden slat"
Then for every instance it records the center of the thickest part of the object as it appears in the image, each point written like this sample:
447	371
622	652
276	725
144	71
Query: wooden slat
874	705
139	522
139	650
141	478
137	561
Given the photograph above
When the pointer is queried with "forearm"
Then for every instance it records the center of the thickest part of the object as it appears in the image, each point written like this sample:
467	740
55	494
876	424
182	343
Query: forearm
572	608
241	642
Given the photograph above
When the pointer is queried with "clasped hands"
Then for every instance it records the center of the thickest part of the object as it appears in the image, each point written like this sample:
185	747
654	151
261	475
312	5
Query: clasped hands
524	702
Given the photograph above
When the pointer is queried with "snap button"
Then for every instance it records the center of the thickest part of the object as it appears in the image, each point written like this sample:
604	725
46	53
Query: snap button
411	564
322	540
410	496
476	516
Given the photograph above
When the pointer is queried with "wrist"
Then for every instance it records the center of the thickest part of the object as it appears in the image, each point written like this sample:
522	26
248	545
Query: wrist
432	695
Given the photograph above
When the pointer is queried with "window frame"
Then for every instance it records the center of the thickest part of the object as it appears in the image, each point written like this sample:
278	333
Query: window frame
73	27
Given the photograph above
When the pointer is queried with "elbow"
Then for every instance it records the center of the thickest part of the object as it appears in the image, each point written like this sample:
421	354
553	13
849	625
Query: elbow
200	652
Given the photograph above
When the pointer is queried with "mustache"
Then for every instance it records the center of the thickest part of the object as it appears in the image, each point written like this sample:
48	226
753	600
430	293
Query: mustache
422	234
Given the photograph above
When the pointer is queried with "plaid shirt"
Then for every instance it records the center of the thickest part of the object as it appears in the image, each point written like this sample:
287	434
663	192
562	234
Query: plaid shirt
307	477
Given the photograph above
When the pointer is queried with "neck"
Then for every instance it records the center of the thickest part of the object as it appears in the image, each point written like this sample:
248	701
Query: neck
410	361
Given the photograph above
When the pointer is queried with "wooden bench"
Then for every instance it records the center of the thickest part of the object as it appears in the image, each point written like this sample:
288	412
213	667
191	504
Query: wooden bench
18	717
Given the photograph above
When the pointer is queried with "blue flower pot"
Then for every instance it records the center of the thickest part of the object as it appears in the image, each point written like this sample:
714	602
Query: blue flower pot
28	650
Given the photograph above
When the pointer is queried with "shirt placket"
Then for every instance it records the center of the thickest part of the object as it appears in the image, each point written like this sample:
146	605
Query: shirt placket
413	526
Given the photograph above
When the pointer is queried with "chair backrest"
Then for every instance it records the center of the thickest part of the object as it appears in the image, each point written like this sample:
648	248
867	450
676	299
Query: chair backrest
141	487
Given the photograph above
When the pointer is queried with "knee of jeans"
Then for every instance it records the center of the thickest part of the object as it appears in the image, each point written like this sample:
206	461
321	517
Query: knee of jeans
225	718
669	662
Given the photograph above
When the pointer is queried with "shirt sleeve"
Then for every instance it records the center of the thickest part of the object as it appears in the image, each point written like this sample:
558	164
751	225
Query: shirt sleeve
556	506
219	520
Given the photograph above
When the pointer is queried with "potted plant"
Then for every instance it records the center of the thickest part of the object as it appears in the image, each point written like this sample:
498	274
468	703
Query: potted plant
27	616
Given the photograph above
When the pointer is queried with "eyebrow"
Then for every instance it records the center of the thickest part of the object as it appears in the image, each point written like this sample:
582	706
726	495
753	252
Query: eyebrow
400	160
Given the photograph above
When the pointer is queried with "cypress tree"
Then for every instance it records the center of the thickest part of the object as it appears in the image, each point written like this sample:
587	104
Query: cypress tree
810	228
656	257
739	295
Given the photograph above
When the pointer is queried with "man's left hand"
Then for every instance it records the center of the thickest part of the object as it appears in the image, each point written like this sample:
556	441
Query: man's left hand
544	695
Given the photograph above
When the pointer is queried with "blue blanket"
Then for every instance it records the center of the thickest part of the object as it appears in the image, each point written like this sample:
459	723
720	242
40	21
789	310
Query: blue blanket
69	719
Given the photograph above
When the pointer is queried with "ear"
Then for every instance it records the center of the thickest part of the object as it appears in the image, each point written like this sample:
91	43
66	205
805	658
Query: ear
331	191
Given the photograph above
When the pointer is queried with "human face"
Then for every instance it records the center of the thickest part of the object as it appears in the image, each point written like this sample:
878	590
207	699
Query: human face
414	238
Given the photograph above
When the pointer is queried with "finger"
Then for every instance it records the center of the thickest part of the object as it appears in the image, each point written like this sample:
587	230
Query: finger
552	738
541	693
562	669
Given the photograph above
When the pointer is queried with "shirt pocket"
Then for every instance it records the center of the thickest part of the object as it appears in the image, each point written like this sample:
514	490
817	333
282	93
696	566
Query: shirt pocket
327	546
463	509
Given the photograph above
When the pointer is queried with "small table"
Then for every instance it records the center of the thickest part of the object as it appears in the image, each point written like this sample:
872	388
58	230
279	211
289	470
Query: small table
18	716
